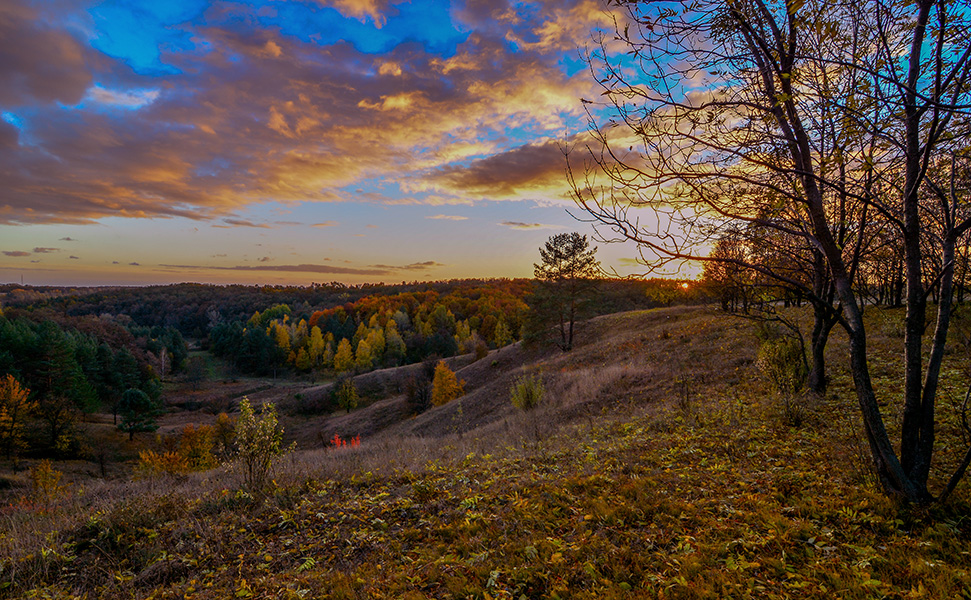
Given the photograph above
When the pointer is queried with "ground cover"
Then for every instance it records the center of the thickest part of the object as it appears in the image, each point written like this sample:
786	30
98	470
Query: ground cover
659	466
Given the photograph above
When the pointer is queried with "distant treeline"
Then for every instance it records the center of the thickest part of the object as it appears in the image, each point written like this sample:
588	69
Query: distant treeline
263	330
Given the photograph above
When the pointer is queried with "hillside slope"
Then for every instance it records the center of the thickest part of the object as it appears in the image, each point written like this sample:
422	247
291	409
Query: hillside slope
626	361
658	467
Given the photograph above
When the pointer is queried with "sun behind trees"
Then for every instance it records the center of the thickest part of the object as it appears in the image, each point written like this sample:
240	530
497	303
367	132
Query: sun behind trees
809	131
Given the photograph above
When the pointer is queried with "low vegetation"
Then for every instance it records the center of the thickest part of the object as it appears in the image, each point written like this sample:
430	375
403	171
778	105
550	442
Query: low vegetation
606	489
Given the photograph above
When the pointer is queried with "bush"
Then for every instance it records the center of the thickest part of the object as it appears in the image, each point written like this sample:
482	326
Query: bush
527	392
445	386
169	462
783	362
224	434
45	482
345	394
196	445
259	443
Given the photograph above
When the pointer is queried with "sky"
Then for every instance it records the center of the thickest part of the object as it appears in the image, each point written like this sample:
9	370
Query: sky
288	142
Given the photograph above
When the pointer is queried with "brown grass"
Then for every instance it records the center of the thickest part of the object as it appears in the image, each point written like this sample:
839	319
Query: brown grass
658	463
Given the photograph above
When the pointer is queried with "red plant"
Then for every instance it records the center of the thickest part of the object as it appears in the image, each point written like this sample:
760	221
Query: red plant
337	442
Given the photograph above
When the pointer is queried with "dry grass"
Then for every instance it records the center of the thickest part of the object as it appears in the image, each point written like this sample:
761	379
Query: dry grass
658	465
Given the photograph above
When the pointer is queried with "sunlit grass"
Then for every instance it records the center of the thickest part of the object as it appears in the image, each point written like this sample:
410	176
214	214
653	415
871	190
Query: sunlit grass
613	488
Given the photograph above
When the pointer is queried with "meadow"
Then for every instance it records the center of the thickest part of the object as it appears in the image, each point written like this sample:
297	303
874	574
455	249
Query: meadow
660	463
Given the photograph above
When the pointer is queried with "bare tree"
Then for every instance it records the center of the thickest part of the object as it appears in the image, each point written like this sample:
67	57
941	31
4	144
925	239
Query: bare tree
814	119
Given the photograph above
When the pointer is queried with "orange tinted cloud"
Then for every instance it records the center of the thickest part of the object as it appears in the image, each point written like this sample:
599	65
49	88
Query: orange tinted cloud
254	116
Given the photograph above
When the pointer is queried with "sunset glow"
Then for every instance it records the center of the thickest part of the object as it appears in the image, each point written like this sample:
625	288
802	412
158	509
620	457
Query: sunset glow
287	142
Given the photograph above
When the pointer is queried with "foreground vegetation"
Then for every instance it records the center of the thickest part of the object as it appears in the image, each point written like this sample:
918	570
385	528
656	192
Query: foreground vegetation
658	464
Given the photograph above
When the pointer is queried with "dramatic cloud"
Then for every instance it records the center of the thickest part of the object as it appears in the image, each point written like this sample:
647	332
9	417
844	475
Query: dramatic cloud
261	120
360	9
527	168
257	110
46	250
72	257
16	253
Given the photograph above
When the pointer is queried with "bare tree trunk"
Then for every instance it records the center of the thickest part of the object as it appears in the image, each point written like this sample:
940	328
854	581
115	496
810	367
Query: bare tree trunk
822	326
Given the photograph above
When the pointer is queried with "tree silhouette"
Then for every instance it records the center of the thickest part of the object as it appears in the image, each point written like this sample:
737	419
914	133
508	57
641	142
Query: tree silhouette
565	282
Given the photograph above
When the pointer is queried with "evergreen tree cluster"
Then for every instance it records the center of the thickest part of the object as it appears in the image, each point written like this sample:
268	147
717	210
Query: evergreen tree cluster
68	371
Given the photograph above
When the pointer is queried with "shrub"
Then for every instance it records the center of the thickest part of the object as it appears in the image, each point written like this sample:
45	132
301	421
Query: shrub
259	443
481	350
445	386
224	433
196	445
168	462
345	394
527	392
783	362
45	482
338	442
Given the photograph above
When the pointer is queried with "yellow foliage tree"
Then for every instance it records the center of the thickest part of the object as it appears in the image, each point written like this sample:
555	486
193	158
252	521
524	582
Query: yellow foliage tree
299	333
501	335
316	346
281	336
196	446
375	339
302	360
15	409
395	348
360	334
328	358
445	385
344	358
363	358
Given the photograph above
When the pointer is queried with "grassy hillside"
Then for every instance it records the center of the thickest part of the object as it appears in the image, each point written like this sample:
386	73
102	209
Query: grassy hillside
660	465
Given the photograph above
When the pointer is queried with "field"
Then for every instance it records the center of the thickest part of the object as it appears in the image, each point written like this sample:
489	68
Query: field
660	464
